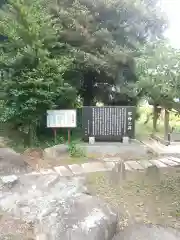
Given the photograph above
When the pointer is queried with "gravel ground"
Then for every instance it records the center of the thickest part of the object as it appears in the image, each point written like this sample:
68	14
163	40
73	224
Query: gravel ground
142	197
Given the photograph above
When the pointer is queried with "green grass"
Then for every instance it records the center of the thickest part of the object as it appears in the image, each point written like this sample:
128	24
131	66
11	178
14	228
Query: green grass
143	131
76	151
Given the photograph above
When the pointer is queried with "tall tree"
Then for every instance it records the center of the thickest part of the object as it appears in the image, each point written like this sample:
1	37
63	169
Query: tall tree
105	36
159	77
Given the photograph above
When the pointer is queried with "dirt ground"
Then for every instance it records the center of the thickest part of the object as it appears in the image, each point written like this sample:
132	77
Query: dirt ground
36	161
142	197
15	229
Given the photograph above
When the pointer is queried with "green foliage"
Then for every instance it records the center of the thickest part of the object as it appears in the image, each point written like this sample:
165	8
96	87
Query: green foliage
104	37
145	130
36	82
159	74
75	150
59	53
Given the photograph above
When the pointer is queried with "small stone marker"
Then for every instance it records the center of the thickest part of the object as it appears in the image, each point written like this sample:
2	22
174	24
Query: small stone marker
126	140
91	140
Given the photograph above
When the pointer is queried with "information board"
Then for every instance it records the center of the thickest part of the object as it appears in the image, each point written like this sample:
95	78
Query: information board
61	118
108	123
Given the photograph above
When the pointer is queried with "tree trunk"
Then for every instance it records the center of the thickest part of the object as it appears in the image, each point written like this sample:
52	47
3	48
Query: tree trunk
88	89
155	117
32	135
148	118
88	100
166	124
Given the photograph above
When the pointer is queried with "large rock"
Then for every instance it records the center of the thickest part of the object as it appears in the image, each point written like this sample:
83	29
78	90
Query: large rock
147	232
12	162
55	152
58	208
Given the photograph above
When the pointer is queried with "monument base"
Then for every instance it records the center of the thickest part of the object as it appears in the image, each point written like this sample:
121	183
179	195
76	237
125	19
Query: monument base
132	150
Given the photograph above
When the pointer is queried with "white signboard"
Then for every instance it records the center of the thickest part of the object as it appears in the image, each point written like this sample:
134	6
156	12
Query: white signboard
61	118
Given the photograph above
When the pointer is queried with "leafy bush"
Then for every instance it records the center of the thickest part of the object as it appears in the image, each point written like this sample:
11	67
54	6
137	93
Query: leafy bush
75	150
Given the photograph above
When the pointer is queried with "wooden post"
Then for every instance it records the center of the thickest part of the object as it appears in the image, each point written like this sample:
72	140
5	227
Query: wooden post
55	135
155	118
166	124
69	136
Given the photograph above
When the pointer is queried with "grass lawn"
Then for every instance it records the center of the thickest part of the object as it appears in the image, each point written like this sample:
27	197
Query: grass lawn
143	131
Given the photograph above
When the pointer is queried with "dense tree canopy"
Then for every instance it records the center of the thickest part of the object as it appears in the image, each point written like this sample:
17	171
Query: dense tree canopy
159	74
159	78
105	37
35	82
58	52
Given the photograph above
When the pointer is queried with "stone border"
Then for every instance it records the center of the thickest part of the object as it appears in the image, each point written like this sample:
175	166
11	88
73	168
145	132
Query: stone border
82	169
